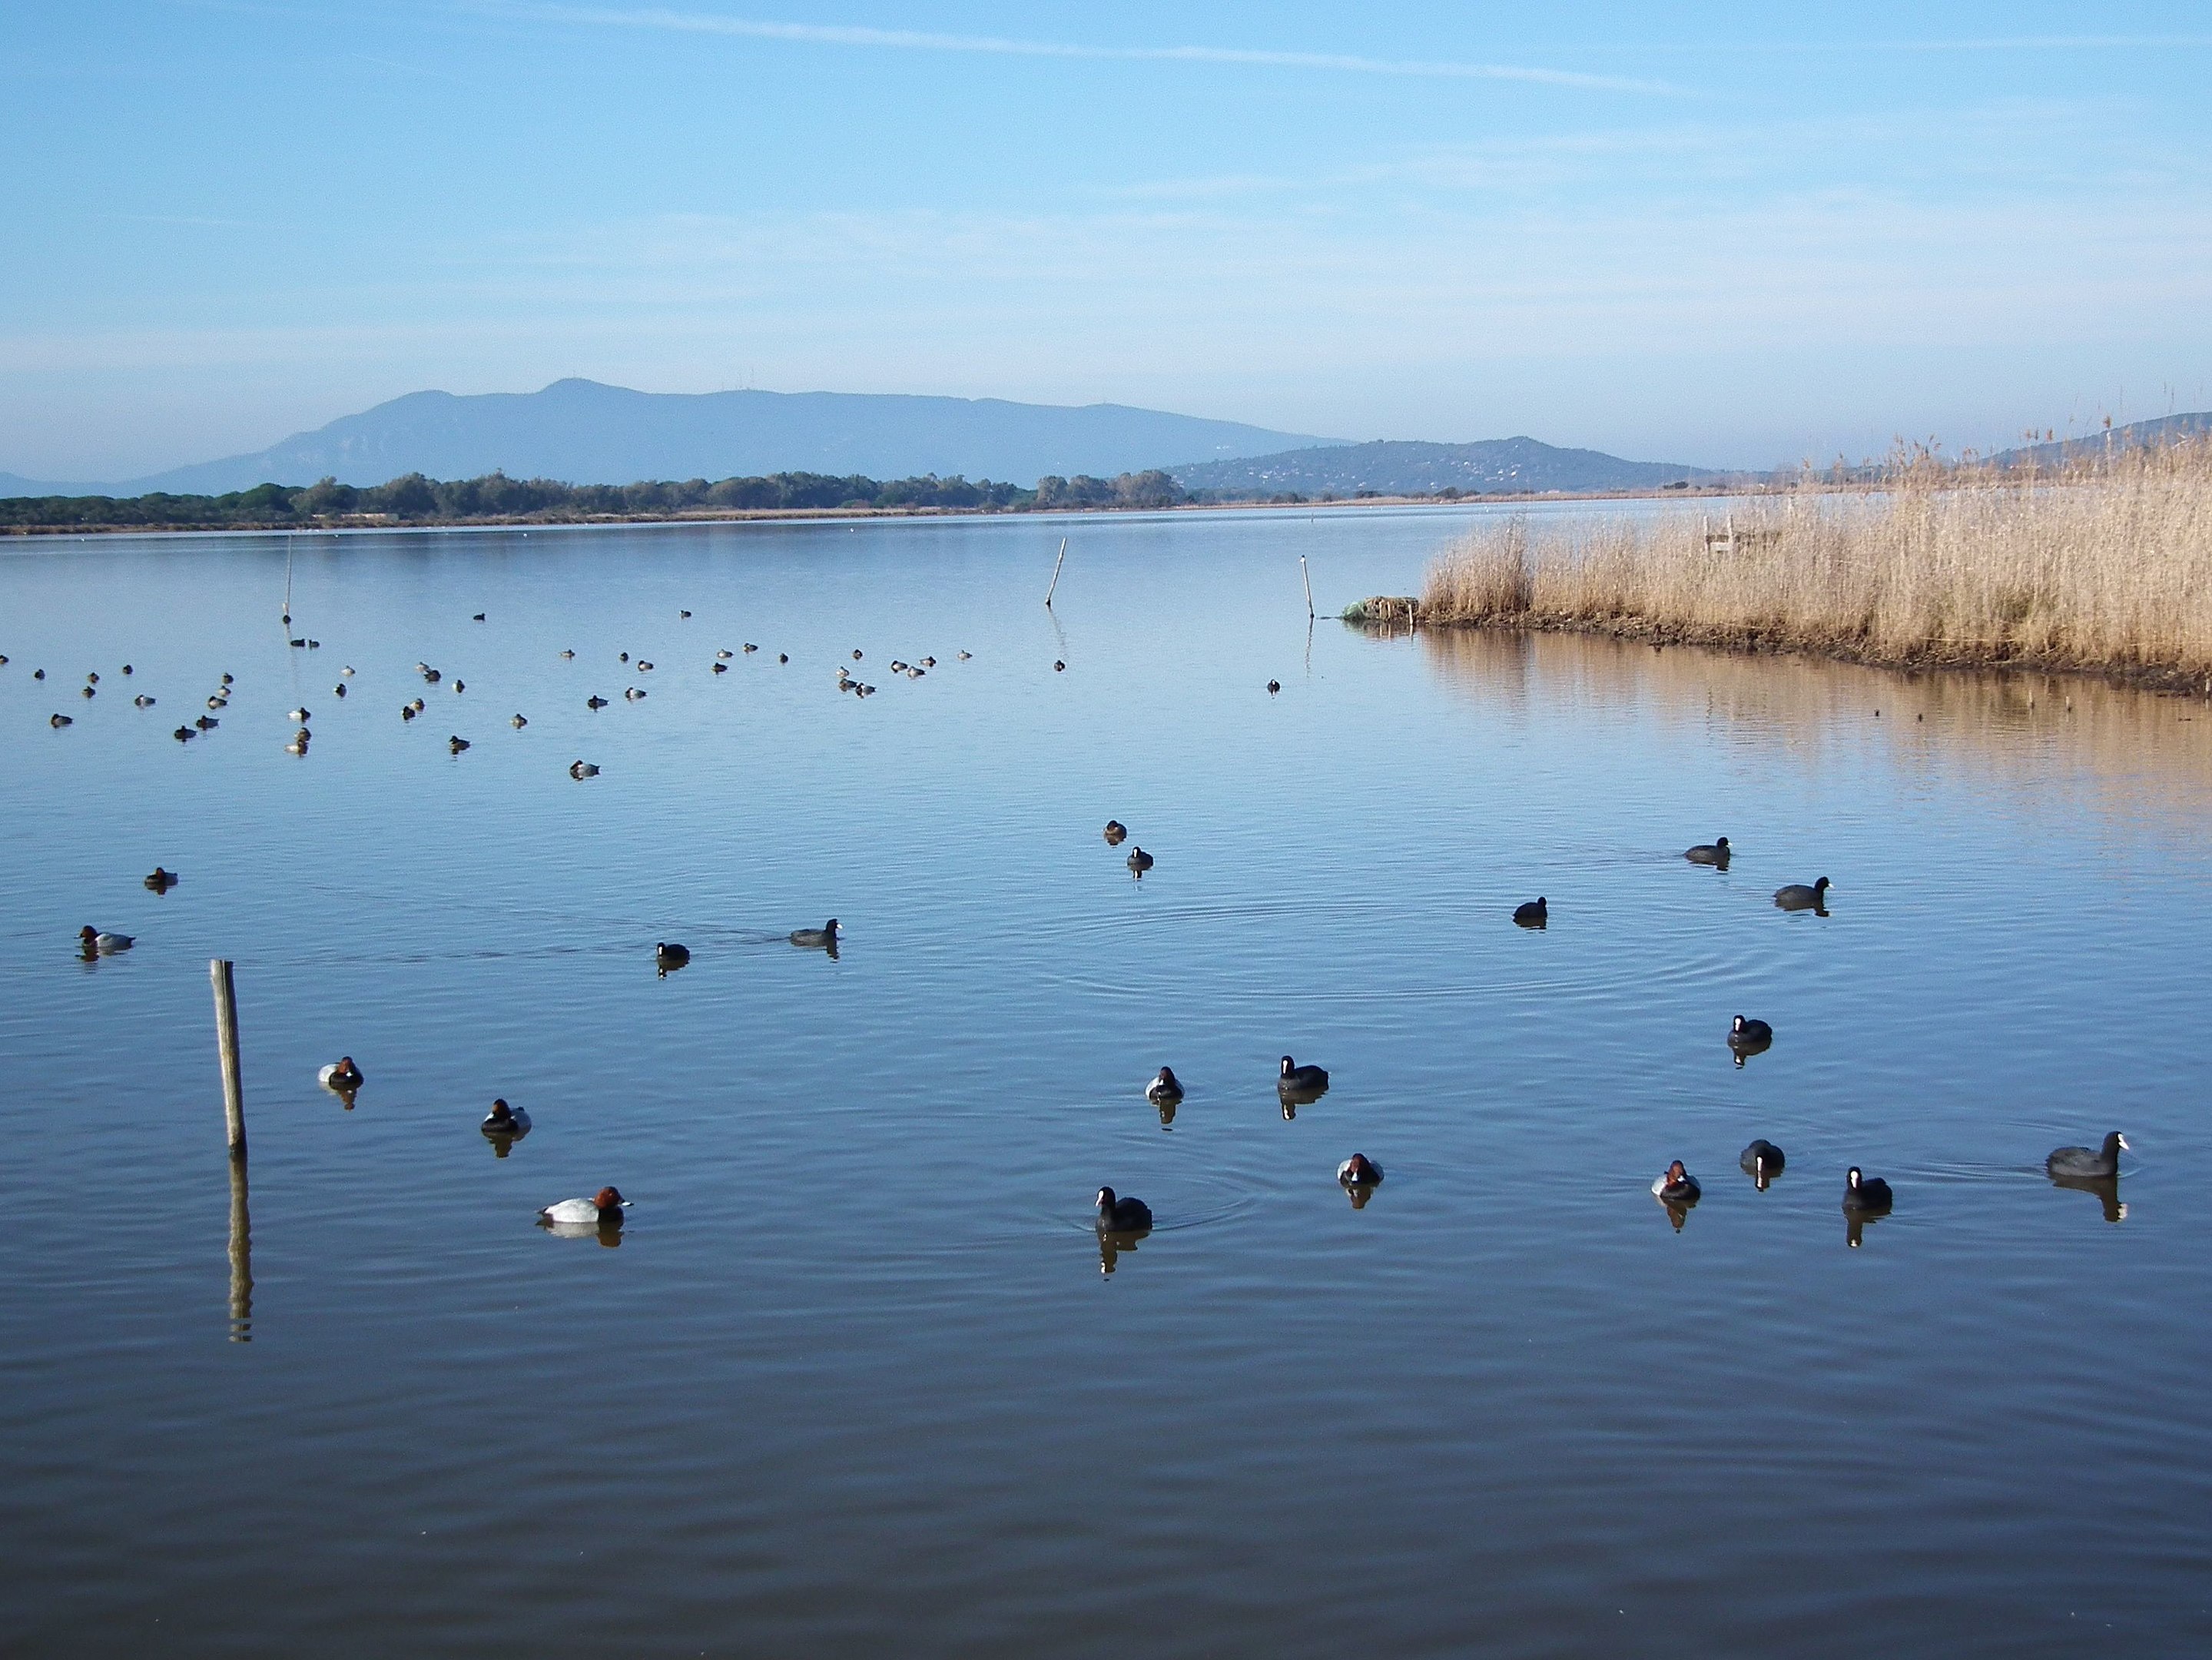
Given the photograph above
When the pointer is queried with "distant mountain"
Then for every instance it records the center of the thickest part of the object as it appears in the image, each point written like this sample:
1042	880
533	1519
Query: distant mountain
582	432
1494	467
2131	436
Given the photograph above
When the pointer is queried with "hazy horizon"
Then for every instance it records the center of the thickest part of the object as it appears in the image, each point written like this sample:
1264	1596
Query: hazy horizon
1659	235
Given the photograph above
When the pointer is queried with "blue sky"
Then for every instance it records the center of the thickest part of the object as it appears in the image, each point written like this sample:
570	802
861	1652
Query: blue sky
1723	235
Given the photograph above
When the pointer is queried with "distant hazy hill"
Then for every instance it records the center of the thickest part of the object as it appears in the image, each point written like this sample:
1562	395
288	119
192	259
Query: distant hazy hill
585	432
1494	467
2128	437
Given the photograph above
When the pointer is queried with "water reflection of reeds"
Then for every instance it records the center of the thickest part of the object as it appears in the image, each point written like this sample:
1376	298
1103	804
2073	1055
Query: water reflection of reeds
2129	749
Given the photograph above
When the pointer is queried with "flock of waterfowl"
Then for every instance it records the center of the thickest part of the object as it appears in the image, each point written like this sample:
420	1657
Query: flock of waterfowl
1119	1217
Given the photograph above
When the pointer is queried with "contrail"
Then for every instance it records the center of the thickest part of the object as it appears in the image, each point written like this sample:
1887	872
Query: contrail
682	23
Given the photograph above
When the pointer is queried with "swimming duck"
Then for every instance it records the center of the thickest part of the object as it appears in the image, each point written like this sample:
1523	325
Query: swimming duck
965	656
432	676
1677	1186
1762	1160
822	939
595	701
929	662
503	1120
57	721
347	670
1140	861
1274	686
1059	667
1360	1171
1797	896
750	647
721	668
207	723
1715	852
1116	832
298	745
218	701
184	735
644	668
338	691
298	717
457	745
783	657
143	702
92	678
1747	1038
2080	1161
632	695
568	655
1865	1193
856	655
87	691
623	655
419	706
582	770
668	955
725	656
407	711
127	669
38	674
478	618
518	723
163	880
105	945
1164	1090
1295	1079
459	686
1122	1215
1534	914
340	1074
603	1209
225	680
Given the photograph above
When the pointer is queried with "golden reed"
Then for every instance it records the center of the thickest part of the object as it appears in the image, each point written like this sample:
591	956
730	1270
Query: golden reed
2107	569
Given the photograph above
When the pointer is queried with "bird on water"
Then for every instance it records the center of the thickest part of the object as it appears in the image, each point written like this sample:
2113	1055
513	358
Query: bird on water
1797	895
1118	1215
1534	914
2082	1162
1715	852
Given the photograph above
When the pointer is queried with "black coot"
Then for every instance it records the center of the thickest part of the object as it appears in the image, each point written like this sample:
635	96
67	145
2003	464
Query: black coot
668	955
1797	896
1122	1215
1534	914
1748	1036
1867	1194
2080	1161
1715	852
1762	1161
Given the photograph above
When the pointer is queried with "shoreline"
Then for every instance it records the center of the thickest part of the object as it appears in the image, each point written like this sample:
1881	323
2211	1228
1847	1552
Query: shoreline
1393	615
357	523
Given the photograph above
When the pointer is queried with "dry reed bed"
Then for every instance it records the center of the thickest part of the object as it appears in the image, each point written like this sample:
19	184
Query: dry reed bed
2107	570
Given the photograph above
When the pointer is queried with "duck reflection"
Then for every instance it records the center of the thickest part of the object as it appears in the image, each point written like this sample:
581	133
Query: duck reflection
1167	1112
2106	1188
1857	1222
343	1093
1112	1243
1677	1210
609	1234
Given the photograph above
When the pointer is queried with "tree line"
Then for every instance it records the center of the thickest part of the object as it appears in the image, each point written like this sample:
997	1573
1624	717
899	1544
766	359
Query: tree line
414	499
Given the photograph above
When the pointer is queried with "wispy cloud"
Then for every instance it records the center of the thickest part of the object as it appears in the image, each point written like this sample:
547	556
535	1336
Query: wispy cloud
824	34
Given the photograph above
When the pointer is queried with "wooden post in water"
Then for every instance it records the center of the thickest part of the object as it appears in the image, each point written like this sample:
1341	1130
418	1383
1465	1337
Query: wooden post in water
1307	580
1056	565
241	1257
226	1043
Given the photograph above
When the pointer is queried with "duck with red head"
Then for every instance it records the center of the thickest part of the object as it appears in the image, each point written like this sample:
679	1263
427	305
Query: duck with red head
1360	1171
603	1209
505	1123
341	1075
97	944
1677	1186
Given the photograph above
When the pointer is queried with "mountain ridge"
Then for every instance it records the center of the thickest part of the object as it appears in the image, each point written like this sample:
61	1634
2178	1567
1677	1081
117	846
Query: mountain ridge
585	432
1490	466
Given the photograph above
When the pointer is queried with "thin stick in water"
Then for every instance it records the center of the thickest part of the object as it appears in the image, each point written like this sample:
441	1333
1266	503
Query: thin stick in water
1307	580
1056	565
226	1043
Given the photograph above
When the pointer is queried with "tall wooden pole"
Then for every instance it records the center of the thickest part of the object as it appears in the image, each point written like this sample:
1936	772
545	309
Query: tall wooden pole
225	1041
1307	580
241	1257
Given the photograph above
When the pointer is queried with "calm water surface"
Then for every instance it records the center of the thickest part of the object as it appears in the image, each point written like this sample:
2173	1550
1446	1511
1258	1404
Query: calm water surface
854	1382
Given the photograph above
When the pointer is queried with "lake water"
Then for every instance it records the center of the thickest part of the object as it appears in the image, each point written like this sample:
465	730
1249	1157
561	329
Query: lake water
852	1382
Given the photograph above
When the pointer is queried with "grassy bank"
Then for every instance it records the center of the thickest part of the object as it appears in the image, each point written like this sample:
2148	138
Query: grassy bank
2107	570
